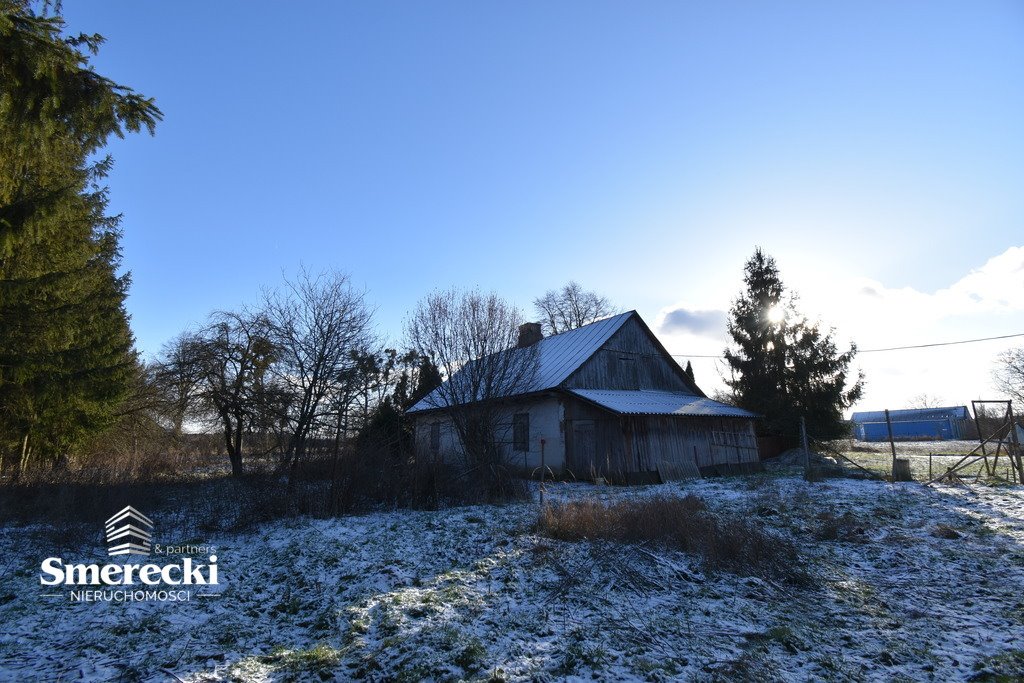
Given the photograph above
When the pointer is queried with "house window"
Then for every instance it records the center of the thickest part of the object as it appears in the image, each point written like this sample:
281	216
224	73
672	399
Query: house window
435	437
521	432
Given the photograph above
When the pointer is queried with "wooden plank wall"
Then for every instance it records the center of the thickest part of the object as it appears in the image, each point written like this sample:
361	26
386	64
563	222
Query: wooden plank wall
733	441
629	360
678	446
608	451
664	443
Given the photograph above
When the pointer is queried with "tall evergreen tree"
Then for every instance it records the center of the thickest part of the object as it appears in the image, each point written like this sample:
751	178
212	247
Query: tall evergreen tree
66	350
688	371
784	366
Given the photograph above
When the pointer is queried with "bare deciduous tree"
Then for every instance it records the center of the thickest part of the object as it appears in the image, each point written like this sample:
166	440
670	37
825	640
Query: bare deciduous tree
925	400
570	307
1008	376
178	381
314	323
227	361
472	338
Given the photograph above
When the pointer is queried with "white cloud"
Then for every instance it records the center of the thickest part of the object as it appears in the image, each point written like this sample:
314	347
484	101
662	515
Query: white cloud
984	302
870	311
696	322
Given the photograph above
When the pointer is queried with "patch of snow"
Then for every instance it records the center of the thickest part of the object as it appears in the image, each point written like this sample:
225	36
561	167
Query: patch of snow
474	592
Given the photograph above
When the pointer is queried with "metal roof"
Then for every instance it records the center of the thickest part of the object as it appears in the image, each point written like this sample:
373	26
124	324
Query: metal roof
950	412
558	356
651	402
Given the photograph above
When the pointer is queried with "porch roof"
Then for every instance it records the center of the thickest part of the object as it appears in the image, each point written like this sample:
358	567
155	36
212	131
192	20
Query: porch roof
651	402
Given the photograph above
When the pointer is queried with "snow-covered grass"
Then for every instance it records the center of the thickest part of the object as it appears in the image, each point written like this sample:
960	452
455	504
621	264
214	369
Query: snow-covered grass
952	447
877	456
908	583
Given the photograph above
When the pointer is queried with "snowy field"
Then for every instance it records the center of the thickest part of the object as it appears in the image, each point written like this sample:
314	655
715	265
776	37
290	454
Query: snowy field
909	583
877	457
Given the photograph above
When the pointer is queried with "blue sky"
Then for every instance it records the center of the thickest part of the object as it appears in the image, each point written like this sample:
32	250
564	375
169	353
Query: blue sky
643	149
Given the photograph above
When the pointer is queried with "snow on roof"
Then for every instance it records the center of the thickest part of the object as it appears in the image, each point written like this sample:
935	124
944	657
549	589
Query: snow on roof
558	356
651	402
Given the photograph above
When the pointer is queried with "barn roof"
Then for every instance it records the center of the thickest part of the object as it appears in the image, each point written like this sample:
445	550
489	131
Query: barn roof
911	414
651	402
558	356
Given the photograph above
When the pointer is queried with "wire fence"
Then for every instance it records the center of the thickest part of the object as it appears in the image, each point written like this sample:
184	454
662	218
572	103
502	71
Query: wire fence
922	461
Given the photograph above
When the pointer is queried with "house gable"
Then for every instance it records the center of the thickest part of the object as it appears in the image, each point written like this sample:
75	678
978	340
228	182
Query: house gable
631	359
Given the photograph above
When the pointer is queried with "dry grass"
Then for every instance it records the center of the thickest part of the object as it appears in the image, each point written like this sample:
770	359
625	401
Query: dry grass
846	527
734	544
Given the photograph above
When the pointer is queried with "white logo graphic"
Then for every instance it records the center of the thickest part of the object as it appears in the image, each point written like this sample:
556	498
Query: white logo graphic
129	533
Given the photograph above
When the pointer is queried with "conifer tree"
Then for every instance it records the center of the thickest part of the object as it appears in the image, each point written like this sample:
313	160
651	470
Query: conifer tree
688	371
66	350
783	366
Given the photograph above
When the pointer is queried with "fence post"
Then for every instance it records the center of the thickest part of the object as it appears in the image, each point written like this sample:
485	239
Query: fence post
542	441
803	441
892	445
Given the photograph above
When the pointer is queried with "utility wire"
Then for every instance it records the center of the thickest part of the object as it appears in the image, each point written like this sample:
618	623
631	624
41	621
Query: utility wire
952	343
895	348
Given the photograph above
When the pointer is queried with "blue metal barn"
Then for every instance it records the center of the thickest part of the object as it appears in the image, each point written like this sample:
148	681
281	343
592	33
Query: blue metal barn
915	424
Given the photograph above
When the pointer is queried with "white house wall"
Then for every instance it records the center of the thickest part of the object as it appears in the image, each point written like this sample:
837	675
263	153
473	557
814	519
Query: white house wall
546	422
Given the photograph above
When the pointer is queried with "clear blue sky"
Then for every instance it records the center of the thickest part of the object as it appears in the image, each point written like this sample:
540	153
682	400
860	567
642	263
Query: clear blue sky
641	148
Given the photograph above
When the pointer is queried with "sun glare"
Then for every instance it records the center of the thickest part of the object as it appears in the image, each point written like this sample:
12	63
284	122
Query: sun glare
776	314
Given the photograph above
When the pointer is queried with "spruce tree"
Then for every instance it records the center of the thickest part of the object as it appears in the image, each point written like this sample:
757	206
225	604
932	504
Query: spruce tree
688	371
783	366
66	350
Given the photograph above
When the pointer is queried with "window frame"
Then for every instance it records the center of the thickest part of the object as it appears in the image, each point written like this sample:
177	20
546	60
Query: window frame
521	432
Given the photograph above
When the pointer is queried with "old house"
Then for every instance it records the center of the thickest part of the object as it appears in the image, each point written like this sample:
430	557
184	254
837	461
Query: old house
607	401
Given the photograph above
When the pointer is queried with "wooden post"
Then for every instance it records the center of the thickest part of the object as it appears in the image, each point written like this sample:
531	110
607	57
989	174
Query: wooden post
902	471
542	442
1016	463
929	466
803	441
892	444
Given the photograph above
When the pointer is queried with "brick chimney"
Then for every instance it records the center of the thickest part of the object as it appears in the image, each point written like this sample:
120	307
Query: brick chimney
529	334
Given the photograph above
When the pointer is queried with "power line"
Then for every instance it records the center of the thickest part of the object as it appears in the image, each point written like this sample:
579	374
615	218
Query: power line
893	348
952	343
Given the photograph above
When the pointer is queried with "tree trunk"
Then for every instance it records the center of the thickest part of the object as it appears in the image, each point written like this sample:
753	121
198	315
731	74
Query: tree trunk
233	444
335	494
22	459
236	464
293	470
19	464
236	454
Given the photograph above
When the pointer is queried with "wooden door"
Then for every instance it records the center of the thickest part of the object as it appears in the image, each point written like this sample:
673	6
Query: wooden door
584	446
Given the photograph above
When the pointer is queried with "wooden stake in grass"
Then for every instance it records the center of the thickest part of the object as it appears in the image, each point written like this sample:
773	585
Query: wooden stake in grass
542	442
892	445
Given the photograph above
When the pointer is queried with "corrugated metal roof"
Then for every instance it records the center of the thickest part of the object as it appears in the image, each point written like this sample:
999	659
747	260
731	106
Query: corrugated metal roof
650	402
558	357
950	412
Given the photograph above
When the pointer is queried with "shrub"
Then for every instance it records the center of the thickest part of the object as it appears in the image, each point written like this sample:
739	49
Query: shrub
846	527
734	544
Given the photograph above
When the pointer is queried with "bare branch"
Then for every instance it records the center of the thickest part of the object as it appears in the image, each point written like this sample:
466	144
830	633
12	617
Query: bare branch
571	307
